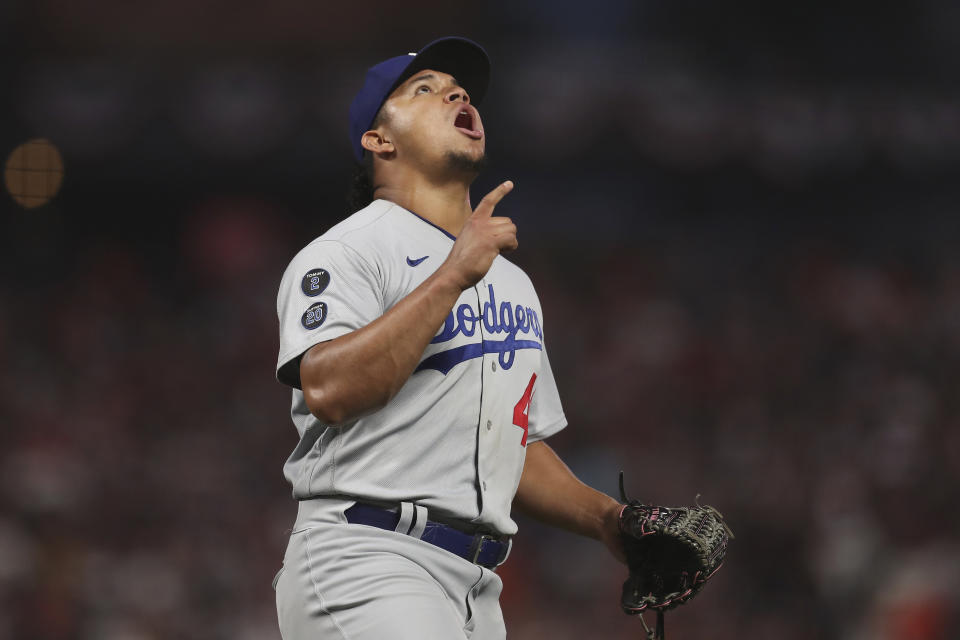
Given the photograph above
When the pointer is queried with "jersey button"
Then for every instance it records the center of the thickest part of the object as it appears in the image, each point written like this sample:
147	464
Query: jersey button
493	365
484	485
489	424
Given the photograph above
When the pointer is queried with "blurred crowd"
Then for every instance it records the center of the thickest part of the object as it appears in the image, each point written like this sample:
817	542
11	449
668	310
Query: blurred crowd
741	221
804	387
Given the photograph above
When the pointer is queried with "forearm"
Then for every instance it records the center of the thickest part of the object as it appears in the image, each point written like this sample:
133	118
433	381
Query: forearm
361	371
549	492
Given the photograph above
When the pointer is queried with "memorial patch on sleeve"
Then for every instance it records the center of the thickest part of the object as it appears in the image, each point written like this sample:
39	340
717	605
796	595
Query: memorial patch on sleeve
314	316
314	283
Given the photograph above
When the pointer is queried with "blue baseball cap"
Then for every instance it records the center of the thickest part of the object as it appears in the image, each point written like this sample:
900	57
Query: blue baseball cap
464	59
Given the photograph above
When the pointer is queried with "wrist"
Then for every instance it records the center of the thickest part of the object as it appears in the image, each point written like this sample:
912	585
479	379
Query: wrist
610	520
449	281
611	536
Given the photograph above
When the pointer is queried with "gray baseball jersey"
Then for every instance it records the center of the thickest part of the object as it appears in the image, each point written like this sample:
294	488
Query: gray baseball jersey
454	438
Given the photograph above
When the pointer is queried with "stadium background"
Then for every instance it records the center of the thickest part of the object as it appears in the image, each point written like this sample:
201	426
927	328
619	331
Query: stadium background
741	219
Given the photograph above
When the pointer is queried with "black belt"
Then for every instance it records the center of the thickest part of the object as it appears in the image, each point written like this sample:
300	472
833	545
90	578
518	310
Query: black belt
482	549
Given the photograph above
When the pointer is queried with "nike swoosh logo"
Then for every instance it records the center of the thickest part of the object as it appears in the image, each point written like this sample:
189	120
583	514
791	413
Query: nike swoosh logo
414	263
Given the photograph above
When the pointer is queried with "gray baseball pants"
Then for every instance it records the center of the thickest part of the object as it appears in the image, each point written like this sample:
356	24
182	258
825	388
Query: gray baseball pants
344	581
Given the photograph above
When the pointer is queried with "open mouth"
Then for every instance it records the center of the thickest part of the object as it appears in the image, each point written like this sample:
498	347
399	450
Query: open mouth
466	124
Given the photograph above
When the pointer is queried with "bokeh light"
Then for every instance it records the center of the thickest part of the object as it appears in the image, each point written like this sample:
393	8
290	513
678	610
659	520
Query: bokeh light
33	173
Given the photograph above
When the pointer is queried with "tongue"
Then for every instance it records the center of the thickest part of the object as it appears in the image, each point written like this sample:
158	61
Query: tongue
464	121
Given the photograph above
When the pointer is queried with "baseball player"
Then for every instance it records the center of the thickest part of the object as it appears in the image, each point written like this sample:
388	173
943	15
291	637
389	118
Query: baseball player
422	390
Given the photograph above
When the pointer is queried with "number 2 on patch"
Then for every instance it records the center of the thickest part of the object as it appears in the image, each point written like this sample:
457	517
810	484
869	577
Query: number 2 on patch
521	412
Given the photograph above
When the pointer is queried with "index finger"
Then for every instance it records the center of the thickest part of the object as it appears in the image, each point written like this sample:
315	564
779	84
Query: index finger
486	206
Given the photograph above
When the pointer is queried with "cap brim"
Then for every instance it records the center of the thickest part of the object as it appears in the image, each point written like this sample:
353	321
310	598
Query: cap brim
463	59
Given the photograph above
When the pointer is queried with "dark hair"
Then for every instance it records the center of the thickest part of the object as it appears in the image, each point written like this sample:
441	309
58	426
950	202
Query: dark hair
361	184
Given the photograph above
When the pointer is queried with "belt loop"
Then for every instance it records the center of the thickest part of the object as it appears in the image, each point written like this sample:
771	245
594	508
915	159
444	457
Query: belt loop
419	521
507	554
406	517
476	545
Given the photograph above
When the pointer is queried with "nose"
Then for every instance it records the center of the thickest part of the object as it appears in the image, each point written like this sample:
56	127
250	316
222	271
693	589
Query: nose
457	94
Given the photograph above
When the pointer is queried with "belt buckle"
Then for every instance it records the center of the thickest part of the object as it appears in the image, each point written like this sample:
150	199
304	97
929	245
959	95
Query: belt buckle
478	541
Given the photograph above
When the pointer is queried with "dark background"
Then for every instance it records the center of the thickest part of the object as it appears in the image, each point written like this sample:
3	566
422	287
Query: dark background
741	219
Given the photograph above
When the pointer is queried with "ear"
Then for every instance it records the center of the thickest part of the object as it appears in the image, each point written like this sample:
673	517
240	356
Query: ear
377	142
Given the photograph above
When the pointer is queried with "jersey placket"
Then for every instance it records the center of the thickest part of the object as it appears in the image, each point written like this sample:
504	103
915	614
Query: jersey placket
487	425
499	454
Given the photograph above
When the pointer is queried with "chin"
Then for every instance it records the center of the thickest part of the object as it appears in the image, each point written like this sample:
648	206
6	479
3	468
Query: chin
466	162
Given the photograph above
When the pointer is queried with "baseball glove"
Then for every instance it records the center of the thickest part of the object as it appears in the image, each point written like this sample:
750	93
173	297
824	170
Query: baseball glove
671	553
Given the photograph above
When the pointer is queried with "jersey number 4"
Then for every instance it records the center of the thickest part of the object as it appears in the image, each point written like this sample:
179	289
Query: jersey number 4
521	412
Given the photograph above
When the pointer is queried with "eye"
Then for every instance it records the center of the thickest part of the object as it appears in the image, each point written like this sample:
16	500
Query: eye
423	89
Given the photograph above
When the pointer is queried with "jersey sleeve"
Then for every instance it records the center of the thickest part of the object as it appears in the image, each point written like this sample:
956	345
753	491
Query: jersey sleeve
546	413
328	290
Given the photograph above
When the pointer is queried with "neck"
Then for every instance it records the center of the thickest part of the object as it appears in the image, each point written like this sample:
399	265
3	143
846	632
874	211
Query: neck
444	203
